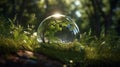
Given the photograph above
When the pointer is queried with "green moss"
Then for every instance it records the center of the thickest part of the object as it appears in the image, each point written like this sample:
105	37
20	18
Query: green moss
7	45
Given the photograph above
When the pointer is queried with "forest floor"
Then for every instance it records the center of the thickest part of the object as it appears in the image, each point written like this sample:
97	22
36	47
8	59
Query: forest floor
28	59
23	58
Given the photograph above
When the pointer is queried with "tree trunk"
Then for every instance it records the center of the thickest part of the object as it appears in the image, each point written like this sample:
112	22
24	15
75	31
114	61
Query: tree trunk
107	17
96	28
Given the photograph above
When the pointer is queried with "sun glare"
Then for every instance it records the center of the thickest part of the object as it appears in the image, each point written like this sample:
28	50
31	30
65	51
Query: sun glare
57	15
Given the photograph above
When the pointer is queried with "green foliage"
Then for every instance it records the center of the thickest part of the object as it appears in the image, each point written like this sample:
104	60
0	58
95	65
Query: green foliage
105	47
93	16
7	45
63	52
53	25
4	27
89	48
17	36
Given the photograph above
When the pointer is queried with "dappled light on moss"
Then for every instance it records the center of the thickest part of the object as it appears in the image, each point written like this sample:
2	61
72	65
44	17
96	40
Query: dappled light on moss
57	28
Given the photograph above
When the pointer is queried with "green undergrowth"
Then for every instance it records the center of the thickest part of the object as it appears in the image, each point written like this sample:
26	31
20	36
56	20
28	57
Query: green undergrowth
89	49
63	52
97	51
9	45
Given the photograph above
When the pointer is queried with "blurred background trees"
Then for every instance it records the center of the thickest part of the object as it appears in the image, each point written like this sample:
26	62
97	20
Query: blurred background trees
97	16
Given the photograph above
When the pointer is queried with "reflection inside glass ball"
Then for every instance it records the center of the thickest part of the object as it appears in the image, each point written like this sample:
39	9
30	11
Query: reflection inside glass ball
57	28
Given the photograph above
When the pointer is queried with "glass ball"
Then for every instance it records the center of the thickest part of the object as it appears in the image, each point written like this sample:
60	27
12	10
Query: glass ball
57	28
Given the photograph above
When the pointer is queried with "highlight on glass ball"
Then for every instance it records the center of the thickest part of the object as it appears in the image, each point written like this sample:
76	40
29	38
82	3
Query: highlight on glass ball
57	28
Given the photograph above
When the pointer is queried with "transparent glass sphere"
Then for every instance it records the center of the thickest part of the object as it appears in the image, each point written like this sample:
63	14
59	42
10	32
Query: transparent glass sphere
57	28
